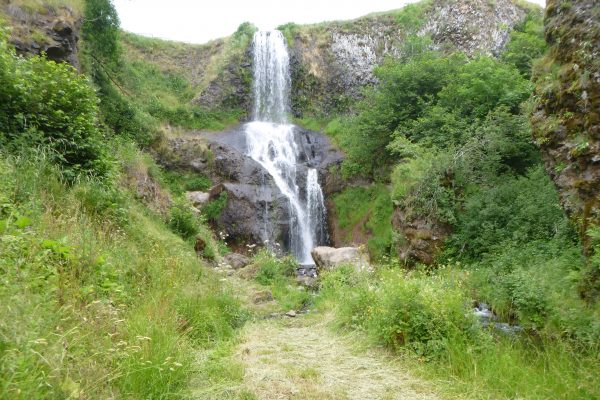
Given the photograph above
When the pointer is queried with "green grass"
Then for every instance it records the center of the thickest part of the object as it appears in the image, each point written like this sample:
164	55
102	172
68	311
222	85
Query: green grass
98	298
278	274
167	96
424	319
366	212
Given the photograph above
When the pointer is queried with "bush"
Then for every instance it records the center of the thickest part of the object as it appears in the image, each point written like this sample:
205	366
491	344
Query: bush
404	311
48	104
212	210
182	219
367	211
272	269
516	210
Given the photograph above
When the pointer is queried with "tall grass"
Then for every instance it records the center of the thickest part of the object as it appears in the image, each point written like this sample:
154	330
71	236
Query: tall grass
99	299
426	319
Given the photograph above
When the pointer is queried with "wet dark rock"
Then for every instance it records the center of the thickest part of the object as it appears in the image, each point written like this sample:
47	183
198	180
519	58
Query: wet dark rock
256	209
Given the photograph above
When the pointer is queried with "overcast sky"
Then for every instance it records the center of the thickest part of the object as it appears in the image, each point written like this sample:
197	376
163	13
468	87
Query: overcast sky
200	21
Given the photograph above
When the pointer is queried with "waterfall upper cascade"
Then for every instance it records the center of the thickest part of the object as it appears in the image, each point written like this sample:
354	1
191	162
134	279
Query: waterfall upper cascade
270	140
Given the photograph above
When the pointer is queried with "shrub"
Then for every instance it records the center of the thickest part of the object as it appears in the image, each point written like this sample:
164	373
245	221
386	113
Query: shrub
212	210
48	104
421	314
272	269
182	219
404	311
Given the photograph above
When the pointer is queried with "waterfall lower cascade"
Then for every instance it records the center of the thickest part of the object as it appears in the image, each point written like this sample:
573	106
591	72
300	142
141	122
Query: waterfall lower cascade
270	140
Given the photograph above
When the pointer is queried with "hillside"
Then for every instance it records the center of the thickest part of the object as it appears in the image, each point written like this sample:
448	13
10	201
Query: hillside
399	206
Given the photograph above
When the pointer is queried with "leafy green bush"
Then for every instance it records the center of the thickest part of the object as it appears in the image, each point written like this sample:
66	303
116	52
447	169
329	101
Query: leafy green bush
272	269
182	219
415	312
48	104
526	44
422	314
212	210
516	210
404	92
367	211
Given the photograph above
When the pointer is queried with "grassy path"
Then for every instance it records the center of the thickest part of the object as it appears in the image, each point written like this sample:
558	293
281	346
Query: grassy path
280	357
300	358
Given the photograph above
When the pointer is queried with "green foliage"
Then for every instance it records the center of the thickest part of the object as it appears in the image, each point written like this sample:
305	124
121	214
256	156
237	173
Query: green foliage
278	274
410	17
516	210
404	92
47	104
182	219
244	33
413	312
212	210
289	30
482	85
166	97
272	269
100	31
526	44
431	99
129	299
366	212
102	61
427	318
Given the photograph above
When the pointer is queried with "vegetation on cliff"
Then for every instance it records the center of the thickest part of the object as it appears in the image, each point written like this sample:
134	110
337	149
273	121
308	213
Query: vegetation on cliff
475	215
104	296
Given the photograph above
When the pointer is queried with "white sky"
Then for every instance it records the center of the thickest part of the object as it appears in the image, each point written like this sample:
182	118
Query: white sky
198	21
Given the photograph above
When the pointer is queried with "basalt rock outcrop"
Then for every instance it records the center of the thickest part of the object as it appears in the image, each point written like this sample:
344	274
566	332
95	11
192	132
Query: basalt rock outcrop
421	237
566	113
53	31
332	62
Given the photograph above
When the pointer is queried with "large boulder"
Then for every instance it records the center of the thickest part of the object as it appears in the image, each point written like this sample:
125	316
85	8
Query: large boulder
236	260
327	258
198	199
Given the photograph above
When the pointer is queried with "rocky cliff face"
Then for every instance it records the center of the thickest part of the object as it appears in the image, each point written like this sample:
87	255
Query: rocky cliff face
50	30
254	203
332	62
566	114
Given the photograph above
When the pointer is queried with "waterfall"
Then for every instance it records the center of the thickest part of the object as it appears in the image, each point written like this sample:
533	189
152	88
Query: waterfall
315	206
270	140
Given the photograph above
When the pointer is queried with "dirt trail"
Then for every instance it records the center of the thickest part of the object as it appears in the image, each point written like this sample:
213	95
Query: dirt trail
301	358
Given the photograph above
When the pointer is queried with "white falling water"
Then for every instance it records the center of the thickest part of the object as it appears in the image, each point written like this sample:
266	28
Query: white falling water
315	205
270	141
